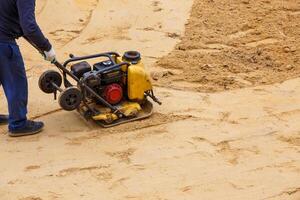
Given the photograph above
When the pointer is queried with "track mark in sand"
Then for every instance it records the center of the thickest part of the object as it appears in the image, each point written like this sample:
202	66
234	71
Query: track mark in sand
85	24
224	148
151	132
225	118
156	6
295	141
290	165
119	182
32	167
16	181
138	167
206	99
280	116
271	114
189	188
42	6
186	188
54	195
28	69
104	176
131	197
172	35
117	33
59	31
231	154
289	113
262	42
122	156
75	170
235	186
31	198
200	139
289	192
262	91
47	113
73	142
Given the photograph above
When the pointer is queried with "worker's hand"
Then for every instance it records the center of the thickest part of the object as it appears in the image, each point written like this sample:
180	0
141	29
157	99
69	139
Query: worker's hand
50	55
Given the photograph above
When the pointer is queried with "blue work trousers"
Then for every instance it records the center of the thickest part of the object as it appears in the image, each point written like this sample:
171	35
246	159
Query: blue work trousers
14	81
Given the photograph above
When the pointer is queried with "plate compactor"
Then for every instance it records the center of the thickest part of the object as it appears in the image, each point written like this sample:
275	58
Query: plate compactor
112	91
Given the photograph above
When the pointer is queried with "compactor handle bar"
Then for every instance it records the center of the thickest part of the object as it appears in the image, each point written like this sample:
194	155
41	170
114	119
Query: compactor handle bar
62	67
108	55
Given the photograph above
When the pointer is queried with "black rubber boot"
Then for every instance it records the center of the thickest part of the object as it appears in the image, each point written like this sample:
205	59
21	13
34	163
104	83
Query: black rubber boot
3	119
31	128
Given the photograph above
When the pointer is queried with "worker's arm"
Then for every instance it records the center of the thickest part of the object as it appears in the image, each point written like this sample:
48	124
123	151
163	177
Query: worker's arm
31	30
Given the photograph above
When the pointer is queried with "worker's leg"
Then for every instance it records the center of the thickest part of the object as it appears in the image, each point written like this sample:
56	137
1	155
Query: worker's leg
14	82
3	118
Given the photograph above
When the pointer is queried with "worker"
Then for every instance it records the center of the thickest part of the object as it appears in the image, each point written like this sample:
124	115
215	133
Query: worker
17	19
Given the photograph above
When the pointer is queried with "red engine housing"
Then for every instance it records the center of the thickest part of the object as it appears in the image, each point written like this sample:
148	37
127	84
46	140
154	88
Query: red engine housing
113	93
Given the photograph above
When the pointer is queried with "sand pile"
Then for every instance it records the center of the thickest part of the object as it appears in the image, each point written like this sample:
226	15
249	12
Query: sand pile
235	44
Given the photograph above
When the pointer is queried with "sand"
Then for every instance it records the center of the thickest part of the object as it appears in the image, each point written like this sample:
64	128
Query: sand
233	136
236	44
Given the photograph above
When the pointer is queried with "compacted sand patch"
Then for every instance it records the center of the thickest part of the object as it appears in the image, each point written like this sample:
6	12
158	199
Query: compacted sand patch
235	44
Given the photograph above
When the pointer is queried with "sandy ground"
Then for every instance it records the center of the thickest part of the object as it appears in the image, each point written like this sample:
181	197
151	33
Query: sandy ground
237	144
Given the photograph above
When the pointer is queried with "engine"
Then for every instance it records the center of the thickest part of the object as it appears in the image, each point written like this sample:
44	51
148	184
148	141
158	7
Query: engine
113	81
105	81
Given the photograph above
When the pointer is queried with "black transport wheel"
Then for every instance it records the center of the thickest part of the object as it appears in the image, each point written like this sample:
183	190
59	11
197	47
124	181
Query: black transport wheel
46	80
70	99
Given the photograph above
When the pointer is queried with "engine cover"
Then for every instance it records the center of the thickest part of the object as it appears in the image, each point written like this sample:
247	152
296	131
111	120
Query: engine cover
80	68
113	93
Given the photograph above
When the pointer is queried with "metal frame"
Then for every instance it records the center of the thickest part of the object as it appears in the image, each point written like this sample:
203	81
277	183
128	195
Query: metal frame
82	83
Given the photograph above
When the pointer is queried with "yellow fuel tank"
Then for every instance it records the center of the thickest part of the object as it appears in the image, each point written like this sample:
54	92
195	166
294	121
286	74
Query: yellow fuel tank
138	81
